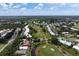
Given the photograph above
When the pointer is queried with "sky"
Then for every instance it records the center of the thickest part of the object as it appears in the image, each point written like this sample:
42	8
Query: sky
31	9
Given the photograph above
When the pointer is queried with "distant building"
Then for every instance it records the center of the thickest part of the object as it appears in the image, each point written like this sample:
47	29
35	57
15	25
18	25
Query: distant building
74	29
68	43
65	32
77	36
50	31
4	32
64	26
26	31
76	47
24	45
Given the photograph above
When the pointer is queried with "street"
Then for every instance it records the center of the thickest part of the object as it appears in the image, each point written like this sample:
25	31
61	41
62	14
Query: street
11	39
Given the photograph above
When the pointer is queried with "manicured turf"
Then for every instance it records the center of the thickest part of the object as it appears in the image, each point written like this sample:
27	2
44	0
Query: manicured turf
40	33
48	50
1	45
76	26
71	51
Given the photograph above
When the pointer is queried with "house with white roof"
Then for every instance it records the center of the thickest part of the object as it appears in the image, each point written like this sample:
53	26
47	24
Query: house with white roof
65	32
23	47
26	31
76	47
78	36
74	29
50	31
4	32
24	44
68	43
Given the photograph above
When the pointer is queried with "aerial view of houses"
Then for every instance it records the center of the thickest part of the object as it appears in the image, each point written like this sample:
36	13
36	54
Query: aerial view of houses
37	32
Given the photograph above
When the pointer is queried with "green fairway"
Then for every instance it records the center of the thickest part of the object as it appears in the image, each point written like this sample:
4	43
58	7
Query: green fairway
76	26
1	45
40	33
48	50
71	51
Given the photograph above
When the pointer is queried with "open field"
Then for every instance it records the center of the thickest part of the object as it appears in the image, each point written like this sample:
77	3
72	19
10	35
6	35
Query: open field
71	51
40	33
48	50
1	45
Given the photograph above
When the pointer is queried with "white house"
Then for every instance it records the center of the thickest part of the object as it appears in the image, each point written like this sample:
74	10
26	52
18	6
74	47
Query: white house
64	26
65	32
68	43
23	47
50	31
26	31
4	32
76	47
77	36
74	29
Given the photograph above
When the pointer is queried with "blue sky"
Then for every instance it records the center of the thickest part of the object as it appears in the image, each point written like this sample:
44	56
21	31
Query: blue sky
20	9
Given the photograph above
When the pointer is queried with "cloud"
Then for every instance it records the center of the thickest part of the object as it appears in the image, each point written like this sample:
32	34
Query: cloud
18	12
63	4
4	6
16	6
10	5
23	8
74	5
39	9
52	8
65	7
39	6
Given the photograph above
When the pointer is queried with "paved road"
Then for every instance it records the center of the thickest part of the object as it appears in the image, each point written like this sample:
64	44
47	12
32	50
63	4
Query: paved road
11	39
33	51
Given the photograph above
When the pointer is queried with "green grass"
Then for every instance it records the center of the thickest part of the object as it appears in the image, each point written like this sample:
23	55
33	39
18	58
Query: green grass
76	26
70	37
40	51
1	45
40	33
9	26
71	51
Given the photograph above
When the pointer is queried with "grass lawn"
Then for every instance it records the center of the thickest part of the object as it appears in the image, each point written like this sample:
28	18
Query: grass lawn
71	51
70	37
48	50
76	26
40	33
1	45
